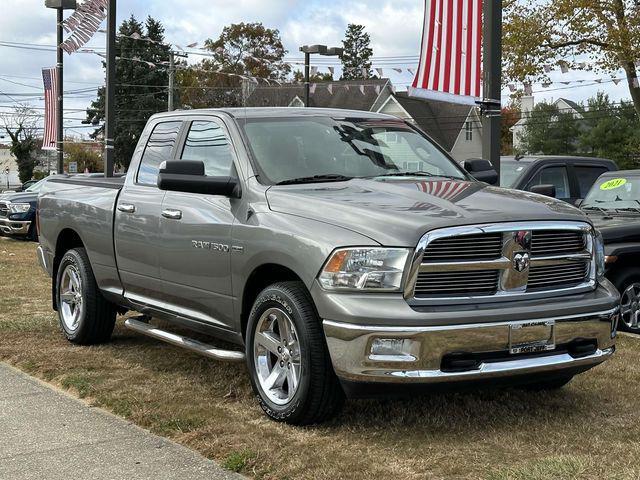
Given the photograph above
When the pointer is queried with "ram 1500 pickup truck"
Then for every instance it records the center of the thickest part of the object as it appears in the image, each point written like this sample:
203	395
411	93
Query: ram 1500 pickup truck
342	252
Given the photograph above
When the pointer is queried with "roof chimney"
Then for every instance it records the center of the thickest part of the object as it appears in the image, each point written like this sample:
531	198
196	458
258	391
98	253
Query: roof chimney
526	104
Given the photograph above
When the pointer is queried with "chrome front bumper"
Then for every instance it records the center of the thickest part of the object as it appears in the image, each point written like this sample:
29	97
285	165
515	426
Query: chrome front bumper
350	347
10	227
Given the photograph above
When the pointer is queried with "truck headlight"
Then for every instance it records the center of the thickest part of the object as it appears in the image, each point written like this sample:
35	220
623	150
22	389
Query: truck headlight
365	269
600	259
19	207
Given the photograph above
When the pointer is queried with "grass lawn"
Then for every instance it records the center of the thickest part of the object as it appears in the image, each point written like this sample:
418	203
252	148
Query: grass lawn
590	429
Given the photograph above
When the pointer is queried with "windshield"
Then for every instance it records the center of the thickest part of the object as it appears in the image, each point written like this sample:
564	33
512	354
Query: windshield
510	173
614	194
324	149
36	187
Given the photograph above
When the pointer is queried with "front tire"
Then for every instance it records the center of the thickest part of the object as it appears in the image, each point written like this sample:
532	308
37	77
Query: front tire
86	317
628	284
289	364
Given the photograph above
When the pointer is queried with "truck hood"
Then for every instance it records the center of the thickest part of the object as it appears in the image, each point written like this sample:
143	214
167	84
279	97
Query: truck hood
22	197
618	228
399	212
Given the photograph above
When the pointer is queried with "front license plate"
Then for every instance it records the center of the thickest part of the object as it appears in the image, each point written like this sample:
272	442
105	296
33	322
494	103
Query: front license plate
532	337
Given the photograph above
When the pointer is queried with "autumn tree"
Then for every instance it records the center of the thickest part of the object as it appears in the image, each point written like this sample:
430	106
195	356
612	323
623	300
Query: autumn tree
510	116
21	126
298	76
244	55
356	59
542	32
86	158
141	89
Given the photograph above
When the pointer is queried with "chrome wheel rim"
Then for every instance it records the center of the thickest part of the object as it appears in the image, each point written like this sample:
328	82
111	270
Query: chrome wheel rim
630	306
71	303
276	356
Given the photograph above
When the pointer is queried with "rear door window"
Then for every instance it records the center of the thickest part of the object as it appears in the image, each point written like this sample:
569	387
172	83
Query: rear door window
587	176
159	149
556	176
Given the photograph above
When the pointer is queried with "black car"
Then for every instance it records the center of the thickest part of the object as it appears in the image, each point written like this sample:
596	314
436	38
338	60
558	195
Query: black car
572	177
613	204
18	212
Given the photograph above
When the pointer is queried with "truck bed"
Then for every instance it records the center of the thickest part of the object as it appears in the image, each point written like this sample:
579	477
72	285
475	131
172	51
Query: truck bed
101	182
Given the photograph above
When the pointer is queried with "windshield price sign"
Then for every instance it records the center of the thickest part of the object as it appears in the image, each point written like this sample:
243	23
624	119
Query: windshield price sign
613	184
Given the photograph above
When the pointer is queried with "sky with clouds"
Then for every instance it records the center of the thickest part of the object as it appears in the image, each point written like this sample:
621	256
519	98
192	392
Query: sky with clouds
394	26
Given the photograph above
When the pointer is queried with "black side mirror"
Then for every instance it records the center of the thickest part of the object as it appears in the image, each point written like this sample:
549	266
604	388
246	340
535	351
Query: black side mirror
481	170
546	190
188	176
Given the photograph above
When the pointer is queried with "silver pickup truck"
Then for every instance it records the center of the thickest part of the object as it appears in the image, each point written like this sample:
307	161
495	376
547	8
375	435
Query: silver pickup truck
342	252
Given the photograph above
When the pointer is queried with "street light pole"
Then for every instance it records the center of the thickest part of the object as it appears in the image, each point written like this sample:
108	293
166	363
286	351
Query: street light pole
110	100
491	104
320	50
307	79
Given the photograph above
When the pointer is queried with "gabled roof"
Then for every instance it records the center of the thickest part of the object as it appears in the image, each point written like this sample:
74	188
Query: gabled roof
441	120
345	94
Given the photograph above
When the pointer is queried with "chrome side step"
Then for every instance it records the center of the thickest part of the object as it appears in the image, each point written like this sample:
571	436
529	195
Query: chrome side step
184	342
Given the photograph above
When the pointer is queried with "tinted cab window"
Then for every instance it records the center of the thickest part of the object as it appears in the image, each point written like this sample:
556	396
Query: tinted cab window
587	176
556	176
207	142
159	149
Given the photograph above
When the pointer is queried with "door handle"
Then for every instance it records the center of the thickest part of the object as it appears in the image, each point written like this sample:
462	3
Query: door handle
172	214
126	208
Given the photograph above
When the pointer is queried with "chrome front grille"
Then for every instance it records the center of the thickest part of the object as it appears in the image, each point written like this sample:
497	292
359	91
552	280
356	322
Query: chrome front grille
4	210
478	282
571	274
549	242
501	262
479	247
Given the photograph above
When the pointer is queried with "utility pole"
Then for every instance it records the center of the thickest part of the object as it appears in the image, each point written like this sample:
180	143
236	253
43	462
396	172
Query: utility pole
172	78
491	104
60	88
110	101
60	6
172	81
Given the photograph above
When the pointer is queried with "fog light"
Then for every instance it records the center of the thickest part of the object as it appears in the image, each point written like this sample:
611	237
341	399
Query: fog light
394	350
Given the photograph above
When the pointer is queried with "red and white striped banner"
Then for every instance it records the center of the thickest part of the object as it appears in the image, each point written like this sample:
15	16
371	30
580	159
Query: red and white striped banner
50	78
451	55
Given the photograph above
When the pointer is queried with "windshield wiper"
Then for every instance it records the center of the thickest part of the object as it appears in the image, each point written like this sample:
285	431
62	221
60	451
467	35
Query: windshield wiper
416	174
597	209
316	179
628	209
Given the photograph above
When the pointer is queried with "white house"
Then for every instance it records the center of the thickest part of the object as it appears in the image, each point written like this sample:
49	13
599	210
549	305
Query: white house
457	128
8	169
527	104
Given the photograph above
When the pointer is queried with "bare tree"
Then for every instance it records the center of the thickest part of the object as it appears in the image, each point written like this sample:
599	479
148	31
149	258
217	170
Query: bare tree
22	125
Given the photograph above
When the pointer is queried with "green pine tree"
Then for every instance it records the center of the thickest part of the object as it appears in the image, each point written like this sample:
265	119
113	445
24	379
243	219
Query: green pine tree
356	60
141	88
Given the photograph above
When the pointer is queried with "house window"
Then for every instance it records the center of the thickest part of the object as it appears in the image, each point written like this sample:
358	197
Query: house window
468	128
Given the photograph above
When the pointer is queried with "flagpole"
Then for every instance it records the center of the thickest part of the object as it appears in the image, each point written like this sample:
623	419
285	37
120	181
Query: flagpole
60	88
110	101
492	68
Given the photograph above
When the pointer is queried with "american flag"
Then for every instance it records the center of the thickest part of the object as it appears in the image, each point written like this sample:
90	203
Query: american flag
50	77
450	59
447	189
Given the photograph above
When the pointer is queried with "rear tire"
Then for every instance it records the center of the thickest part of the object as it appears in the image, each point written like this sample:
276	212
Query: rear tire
289	364
86	317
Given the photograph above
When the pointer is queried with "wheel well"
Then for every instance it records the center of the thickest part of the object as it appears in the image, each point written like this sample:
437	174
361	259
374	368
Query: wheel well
67	240
260	279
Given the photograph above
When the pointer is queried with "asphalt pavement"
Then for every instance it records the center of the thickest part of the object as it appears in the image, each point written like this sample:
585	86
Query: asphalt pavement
47	434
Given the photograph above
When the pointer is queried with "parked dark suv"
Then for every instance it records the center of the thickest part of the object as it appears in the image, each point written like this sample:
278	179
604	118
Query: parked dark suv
572	177
18	212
